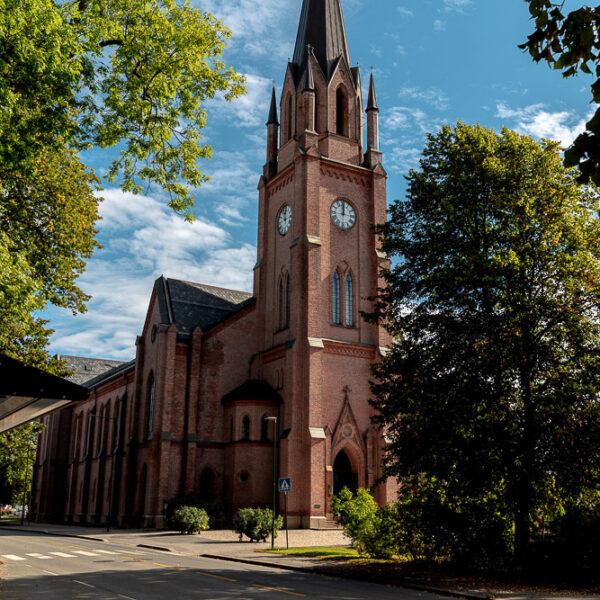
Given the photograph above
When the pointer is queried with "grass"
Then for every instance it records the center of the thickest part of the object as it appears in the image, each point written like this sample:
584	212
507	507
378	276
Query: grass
325	552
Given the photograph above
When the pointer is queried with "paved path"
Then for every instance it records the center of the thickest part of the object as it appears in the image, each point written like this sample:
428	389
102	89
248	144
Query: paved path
37	566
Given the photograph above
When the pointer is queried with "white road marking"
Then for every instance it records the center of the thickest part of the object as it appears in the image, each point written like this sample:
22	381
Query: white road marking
63	554
39	556
104	551
50	573
133	552
126	597
84	553
84	583
12	557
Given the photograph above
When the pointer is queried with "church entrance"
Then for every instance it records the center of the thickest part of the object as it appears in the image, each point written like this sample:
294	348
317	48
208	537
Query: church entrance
343	476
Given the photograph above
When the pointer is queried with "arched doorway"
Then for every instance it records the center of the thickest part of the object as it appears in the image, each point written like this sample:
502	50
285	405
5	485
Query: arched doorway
343	475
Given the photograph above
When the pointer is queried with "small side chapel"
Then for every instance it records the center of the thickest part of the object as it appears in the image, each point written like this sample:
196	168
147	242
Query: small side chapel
188	415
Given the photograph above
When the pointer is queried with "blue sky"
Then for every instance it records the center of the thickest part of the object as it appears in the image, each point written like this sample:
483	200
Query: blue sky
435	61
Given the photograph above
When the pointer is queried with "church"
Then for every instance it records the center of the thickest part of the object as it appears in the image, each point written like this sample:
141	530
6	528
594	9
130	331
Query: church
220	375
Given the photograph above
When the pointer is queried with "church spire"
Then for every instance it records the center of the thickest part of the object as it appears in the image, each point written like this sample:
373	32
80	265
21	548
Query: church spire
321	27
273	110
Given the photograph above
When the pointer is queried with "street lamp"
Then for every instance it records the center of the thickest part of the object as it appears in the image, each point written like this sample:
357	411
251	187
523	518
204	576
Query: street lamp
274	419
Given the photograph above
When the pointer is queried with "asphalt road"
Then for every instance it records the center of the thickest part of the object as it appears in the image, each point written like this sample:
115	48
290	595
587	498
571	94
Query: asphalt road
52	568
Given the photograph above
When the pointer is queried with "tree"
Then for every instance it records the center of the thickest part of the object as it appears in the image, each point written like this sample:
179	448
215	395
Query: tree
17	456
131	74
571	44
490	391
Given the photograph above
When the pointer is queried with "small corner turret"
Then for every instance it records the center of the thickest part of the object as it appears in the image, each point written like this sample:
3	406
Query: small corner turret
373	156
270	168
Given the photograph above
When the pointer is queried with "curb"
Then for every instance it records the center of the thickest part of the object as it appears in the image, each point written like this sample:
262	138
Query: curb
161	548
54	533
319	571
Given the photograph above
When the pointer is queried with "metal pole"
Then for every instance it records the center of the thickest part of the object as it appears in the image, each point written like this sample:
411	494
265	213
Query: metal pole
287	542
274	482
24	498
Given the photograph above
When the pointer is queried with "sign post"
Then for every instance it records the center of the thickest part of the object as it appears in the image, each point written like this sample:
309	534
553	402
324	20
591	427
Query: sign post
285	485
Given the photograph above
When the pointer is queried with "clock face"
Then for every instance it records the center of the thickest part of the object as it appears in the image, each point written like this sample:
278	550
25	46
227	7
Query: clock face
343	215
284	221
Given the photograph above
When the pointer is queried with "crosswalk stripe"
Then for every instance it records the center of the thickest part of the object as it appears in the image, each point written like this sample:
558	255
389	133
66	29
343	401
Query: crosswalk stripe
104	551
84	553
63	554
39	556
11	557
132	552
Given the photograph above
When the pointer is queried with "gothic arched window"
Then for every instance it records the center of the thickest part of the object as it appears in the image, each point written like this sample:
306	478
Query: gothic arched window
349	293
264	430
340	111
290	119
150	406
281	302
287	300
336	298
246	428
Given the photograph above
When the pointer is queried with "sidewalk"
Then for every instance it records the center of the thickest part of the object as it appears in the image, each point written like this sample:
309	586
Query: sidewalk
225	545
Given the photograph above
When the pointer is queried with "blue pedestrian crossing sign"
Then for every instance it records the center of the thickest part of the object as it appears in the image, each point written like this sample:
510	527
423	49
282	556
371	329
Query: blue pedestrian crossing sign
285	484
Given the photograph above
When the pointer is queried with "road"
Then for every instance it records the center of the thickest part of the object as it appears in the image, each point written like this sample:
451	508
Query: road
52	568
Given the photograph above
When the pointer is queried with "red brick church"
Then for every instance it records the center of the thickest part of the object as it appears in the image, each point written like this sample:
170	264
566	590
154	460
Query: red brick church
188	414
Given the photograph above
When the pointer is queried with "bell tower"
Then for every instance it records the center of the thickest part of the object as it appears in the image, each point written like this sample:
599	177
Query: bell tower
318	265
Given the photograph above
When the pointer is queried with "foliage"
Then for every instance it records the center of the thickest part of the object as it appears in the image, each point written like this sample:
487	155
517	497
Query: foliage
356	514
324	552
256	523
189	519
132	74
489	394
570	43
17	455
217	517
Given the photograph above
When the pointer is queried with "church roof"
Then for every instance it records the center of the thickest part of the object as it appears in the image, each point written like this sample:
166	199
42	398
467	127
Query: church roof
253	389
321	27
86	369
190	305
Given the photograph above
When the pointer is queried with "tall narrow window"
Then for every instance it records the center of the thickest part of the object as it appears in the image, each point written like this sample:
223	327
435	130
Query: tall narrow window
287	300
281	302
336	298
246	428
117	423
231	429
264	430
150	406
340	112
349	301
290	117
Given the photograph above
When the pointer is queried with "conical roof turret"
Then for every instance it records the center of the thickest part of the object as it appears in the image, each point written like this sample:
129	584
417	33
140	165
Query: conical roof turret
273	110
372	103
322	29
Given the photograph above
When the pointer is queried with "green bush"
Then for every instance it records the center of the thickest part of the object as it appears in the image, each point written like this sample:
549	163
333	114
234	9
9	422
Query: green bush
256	523
189	519
356	514
217	517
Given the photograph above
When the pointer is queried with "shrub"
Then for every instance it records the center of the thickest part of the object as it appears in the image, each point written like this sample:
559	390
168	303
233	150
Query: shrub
256	523
217	518
189	519
356	514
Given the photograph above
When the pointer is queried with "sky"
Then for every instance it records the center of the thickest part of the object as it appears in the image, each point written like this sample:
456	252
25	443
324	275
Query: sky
434	62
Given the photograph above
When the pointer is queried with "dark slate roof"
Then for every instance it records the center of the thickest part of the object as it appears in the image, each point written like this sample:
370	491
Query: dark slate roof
190	305
273	110
110	374
372	103
253	389
321	26
86	369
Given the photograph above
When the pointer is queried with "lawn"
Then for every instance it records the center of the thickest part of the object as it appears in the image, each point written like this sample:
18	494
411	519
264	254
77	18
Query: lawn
325	552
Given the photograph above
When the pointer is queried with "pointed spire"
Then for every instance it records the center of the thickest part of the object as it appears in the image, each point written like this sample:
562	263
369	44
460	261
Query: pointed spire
273	110
372	103
321	26
309	79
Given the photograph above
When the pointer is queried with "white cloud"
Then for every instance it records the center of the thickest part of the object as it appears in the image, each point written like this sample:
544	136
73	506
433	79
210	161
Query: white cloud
433	96
402	117
144	239
403	158
439	25
456	5
405	12
537	121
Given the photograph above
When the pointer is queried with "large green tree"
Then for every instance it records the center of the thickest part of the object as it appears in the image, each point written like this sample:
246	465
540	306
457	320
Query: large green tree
130	74
570	42
490	391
